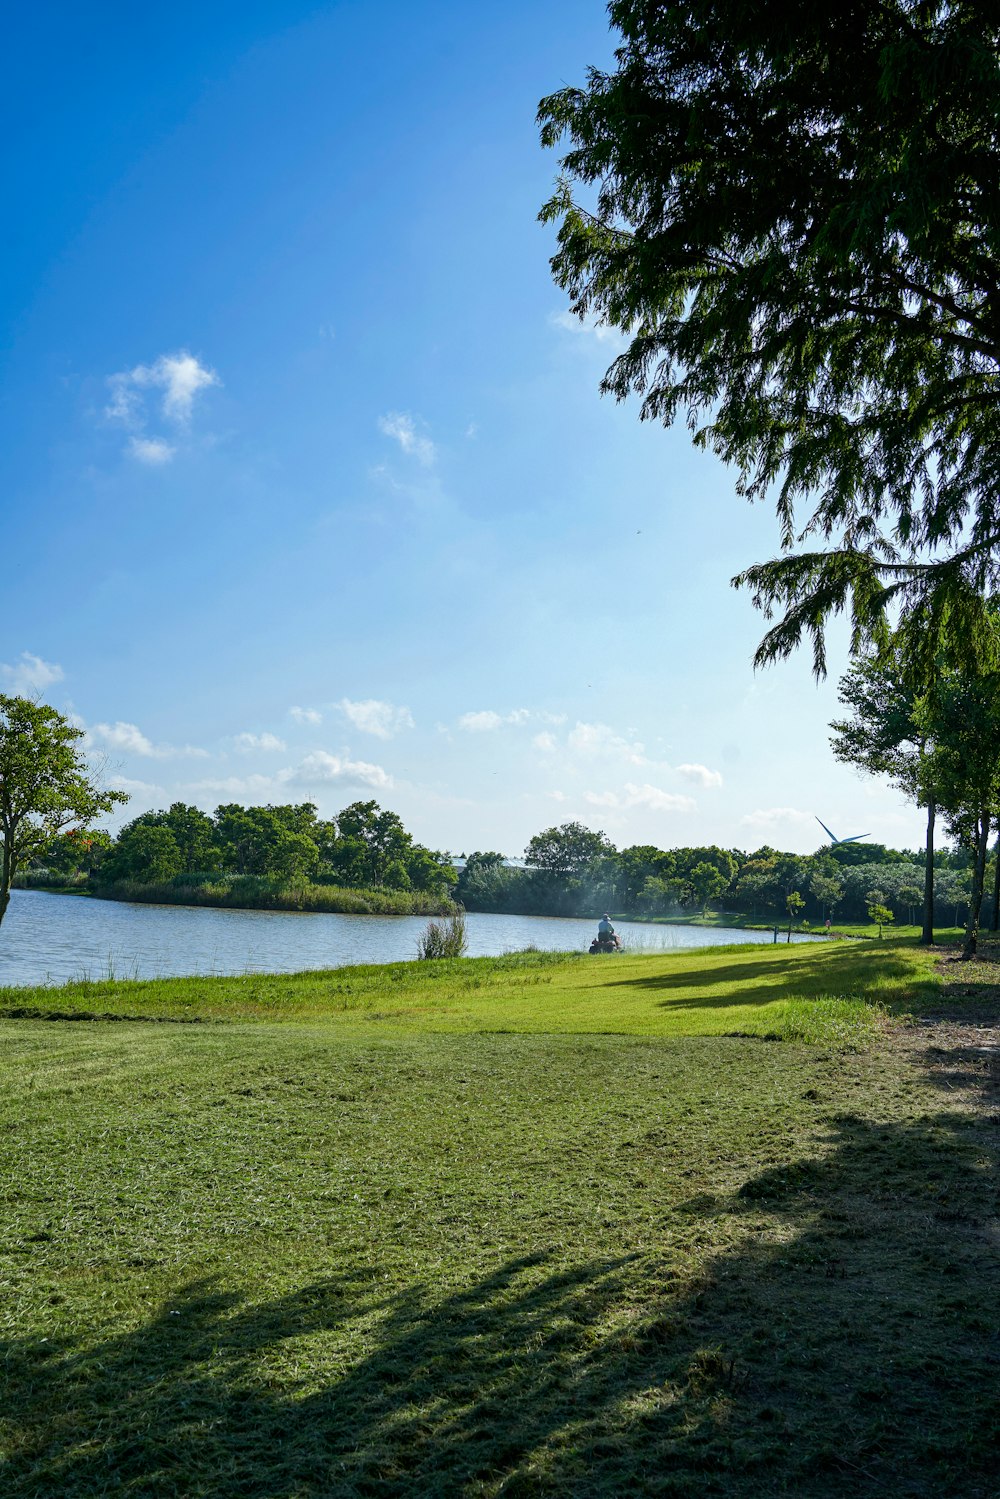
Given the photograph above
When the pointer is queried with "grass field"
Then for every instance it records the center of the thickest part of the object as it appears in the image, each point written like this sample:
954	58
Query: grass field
527	1226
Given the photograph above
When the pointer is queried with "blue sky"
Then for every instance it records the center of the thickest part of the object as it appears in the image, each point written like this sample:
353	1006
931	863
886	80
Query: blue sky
308	490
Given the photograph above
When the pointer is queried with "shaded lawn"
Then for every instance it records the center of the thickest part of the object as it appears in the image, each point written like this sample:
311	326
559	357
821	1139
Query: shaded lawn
293	1262
704	991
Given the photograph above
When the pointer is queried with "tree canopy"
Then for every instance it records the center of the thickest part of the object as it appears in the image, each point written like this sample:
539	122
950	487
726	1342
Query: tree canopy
791	211
45	784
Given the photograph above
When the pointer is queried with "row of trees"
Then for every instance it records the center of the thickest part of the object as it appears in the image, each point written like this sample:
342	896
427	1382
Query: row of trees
363	847
932	727
573	870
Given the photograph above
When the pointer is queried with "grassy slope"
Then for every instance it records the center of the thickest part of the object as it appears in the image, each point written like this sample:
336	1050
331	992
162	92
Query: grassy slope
360	1255
706	991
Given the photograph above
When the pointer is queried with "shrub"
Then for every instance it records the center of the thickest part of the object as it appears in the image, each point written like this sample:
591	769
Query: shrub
444	939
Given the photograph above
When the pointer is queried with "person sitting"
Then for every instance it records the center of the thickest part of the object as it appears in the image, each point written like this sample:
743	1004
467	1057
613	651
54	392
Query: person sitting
606	933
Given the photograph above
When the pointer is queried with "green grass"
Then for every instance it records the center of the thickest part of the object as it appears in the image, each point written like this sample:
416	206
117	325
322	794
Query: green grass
707	991
385	1250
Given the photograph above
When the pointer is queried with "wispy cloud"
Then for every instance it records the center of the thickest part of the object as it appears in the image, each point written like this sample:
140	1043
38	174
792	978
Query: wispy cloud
766	819
373	716
153	451
599	739
245	743
167	387
317	770
654	798
700	775
486	720
30	674
587	327
305	715
545	741
320	768
130	740
401	427
133	787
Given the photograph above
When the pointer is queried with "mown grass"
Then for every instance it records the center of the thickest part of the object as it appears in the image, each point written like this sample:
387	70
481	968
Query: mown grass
384	1251
707	991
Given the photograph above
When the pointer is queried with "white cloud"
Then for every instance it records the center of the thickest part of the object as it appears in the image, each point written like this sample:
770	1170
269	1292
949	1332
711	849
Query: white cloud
700	775
247	742
130	739
480	723
252	785
651	797
321	768
769	818
151	450
134	788
177	379
179	376
544	741
374	717
595	739
400	426
587	326
487	720
305	715
30	674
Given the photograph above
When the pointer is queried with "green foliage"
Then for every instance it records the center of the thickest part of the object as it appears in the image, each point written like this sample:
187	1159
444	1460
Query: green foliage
571	851
283	847
707	883
789	211
144	851
45	783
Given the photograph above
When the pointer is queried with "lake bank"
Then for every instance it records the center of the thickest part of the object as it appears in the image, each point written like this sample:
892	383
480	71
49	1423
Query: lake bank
738	989
46	938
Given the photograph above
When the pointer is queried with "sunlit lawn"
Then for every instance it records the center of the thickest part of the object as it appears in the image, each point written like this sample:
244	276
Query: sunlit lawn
706	991
515	1227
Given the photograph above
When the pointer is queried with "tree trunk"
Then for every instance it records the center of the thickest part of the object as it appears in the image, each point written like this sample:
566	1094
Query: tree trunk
927	935
995	923
978	881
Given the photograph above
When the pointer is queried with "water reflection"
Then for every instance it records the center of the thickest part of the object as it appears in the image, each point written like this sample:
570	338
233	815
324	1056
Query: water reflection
47	939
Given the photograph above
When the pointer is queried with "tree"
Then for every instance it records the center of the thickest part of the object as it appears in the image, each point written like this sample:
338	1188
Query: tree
878	910
259	841
962	716
568	852
888	734
45	784
909	896
145	852
790	209
193	832
793	905
707	883
827	889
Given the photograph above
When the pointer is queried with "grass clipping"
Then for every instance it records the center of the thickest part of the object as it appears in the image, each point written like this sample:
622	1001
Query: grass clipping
848	1021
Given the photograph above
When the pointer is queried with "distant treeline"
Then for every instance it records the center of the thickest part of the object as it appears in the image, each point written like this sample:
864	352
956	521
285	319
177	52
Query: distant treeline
364	860
283	857
572	870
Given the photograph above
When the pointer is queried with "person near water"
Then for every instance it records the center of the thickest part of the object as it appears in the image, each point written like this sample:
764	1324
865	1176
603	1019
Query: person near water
606	932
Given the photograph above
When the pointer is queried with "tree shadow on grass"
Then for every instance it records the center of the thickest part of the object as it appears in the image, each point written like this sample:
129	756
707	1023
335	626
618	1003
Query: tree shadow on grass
800	975
846	1344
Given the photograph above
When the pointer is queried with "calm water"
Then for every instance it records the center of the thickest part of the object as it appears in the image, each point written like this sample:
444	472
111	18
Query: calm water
47	939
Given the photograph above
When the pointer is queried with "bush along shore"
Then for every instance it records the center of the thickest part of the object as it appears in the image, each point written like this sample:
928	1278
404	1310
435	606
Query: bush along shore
256	893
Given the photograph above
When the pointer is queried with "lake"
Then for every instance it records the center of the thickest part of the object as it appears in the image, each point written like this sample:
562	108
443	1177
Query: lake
48	939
